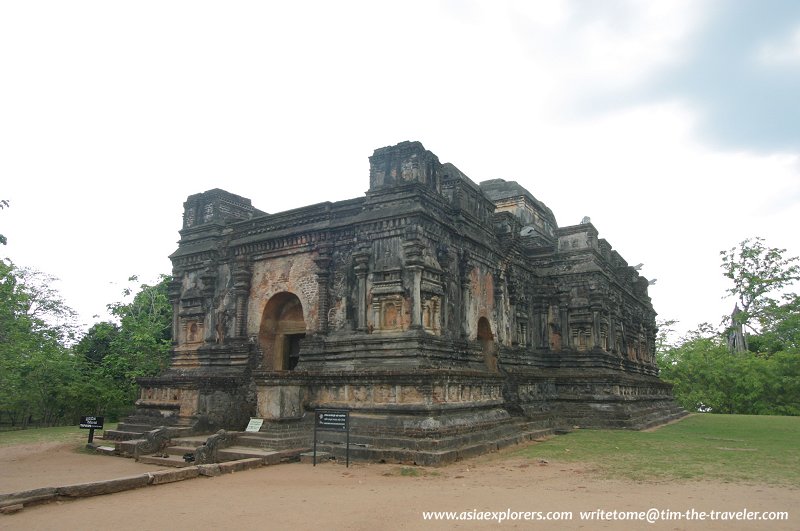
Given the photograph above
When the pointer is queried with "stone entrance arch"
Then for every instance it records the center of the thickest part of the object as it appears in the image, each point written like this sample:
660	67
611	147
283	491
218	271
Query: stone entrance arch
282	328
488	347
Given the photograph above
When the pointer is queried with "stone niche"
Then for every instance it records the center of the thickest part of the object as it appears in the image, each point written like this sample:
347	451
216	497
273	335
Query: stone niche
449	317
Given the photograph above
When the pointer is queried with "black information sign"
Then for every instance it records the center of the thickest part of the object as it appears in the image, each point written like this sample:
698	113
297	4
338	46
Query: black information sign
91	424
332	420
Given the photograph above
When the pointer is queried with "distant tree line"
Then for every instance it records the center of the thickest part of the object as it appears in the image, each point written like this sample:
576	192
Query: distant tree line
751	363
51	373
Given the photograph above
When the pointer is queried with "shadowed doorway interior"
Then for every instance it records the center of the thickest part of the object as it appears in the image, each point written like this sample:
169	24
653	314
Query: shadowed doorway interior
282	328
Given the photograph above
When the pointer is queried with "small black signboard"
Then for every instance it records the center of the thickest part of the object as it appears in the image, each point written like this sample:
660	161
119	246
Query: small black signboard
91	423
332	420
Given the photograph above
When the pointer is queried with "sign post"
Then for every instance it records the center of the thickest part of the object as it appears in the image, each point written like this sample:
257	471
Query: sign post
91	424
332	420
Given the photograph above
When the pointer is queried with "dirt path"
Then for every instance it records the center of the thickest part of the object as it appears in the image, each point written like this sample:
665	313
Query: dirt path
367	497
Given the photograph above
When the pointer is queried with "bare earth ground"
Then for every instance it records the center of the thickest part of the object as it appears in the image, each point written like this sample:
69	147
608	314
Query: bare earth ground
365	496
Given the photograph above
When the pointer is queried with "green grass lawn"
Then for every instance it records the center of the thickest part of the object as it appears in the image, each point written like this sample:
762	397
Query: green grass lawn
59	434
731	448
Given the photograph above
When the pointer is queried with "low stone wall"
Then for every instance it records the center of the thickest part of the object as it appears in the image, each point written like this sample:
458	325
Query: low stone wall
15	501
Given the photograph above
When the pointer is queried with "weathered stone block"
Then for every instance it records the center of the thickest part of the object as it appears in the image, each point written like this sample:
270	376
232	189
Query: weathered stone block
240	465
28	496
280	402
209	470
97	488
170	476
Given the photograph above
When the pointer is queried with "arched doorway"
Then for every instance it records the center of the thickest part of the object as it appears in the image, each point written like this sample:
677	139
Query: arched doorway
488	347
282	328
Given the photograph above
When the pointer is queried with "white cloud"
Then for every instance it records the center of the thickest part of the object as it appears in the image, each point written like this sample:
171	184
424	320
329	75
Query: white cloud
782	53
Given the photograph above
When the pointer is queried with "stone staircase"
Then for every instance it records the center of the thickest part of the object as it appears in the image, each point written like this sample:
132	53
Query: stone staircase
286	441
658	415
427	451
632	415
241	445
127	431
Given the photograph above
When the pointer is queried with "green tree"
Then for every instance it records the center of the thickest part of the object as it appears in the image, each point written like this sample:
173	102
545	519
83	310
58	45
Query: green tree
758	273
707	377
762	380
115	355
97	342
47	377
145	334
36	368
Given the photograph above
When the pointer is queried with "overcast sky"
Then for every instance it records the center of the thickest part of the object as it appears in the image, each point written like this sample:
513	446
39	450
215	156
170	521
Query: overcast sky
674	125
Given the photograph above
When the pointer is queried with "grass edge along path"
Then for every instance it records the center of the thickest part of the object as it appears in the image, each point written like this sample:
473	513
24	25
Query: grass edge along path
730	448
60	434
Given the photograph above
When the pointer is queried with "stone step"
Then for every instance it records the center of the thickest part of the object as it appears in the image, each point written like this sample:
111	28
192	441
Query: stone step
431	457
233	453
126	448
425	450
174	461
132	426
129	433
180	449
120	435
106	450
193	440
508	430
157	420
538	434
250	446
268	457
263	441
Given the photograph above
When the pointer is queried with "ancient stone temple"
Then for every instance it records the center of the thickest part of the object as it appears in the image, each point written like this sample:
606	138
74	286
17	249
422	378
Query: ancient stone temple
449	317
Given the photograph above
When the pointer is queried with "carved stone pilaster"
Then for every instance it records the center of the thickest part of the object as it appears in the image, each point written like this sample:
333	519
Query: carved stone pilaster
541	336
361	267
241	289
563	310
174	292
323	262
612	330
464	267
445	261
412	249
209	280
596	308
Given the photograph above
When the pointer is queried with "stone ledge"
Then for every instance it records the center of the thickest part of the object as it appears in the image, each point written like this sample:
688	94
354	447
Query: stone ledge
160	477
15	501
97	488
28	496
209	470
240	465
